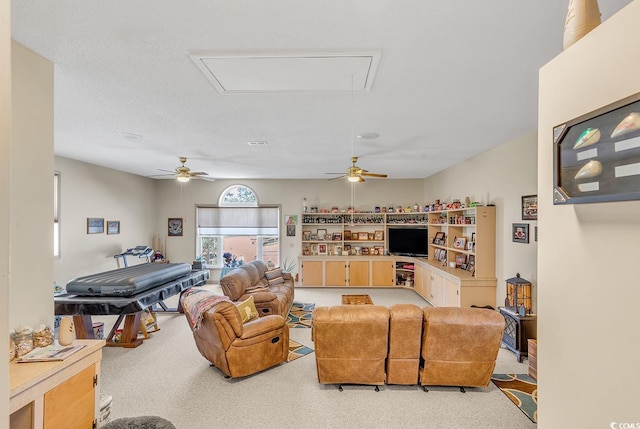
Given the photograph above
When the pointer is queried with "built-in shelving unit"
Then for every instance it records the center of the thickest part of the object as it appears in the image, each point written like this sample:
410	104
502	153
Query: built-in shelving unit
325	236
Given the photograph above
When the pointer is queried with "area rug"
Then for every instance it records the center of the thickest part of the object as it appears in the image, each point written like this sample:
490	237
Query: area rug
356	300
300	315
522	390
297	350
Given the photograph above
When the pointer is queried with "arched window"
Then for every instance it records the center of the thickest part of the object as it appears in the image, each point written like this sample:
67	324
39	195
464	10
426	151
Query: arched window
238	230
238	195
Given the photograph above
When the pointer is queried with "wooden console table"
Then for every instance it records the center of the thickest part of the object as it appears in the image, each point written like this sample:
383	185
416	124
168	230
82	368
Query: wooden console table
57	394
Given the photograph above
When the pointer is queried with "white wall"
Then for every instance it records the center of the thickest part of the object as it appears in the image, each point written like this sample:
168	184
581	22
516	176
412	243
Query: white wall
31	184
179	200
5	143
91	191
588	318
500	176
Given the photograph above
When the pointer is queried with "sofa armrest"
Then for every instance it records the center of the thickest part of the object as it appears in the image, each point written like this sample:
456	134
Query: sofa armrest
261	326
287	276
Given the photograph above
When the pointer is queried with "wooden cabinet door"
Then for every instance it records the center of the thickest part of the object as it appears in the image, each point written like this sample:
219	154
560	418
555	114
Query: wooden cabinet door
419	280
72	404
358	273
383	273
335	273
312	273
451	294
437	286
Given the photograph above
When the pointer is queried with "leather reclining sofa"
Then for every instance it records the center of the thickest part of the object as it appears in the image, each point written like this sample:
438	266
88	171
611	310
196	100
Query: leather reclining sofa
272	290
373	345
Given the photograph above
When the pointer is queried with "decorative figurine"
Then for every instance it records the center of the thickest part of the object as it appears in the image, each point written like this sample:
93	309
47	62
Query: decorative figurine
591	169
628	125
587	138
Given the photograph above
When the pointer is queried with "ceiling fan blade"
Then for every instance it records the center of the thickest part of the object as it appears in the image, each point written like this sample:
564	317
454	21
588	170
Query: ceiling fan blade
198	173
161	175
374	175
167	171
208	179
339	177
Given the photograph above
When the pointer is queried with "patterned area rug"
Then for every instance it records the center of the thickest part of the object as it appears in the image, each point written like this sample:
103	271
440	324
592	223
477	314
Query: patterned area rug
522	390
297	350
300	315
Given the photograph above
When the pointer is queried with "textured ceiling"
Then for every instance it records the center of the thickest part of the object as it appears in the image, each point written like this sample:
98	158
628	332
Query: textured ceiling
454	79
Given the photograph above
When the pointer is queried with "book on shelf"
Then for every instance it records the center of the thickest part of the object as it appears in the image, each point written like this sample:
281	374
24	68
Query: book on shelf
50	353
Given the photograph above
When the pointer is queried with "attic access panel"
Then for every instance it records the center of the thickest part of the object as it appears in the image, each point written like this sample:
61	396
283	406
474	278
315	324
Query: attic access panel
596	157
288	72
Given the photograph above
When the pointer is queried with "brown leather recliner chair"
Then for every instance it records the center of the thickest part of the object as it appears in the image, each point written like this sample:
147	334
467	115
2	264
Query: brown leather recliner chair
460	346
405	335
239	350
351	344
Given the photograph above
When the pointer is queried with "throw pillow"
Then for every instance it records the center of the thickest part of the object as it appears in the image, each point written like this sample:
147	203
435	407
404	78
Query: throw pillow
247	310
274	277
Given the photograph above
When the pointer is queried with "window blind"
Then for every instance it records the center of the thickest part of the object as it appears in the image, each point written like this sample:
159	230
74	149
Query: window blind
238	220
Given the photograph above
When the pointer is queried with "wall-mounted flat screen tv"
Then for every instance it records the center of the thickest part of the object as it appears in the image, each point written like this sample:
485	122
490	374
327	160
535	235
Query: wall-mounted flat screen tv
408	241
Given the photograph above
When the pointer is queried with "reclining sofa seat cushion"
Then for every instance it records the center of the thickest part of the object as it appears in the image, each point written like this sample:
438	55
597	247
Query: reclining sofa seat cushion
351	344
460	346
239	349
405	337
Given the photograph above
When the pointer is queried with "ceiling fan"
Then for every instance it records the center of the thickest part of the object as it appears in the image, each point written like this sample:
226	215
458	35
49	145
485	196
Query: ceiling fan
184	174
355	173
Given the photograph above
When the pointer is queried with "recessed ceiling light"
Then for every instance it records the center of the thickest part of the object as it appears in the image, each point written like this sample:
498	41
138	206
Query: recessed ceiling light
368	136
257	143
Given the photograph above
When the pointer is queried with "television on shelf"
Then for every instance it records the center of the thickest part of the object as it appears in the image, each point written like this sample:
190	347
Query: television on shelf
408	241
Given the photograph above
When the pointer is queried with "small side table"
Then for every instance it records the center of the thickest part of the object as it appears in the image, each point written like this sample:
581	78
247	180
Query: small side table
517	330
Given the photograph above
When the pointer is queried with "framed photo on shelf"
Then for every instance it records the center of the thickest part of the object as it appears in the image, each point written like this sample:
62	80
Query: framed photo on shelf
321	234
471	264
530	207
471	246
459	242
336	236
113	227
322	249
379	235
460	260
372	236
363	236
314	249
520	232
439	238
306	235
347	234
95	225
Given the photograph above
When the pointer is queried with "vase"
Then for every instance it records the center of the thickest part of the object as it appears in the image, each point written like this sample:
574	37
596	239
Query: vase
66	334
582	17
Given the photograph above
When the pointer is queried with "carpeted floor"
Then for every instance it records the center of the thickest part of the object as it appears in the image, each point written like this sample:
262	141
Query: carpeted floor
297	350
522	390
300	315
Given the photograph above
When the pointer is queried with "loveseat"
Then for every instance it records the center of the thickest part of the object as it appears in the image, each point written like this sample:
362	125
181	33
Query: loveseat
373	345
272	290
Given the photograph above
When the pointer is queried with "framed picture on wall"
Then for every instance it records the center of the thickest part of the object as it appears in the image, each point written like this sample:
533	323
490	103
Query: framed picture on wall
175	227
520	232
530	207
113	227
95	225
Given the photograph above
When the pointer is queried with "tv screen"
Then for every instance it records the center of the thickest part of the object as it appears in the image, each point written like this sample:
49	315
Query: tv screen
410	241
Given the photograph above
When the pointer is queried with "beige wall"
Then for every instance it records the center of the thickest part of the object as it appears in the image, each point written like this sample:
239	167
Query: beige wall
500	176
179	200
588	298
31	184
91	191
5	143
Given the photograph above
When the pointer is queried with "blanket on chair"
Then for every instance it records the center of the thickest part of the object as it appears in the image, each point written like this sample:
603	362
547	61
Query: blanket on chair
196	302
